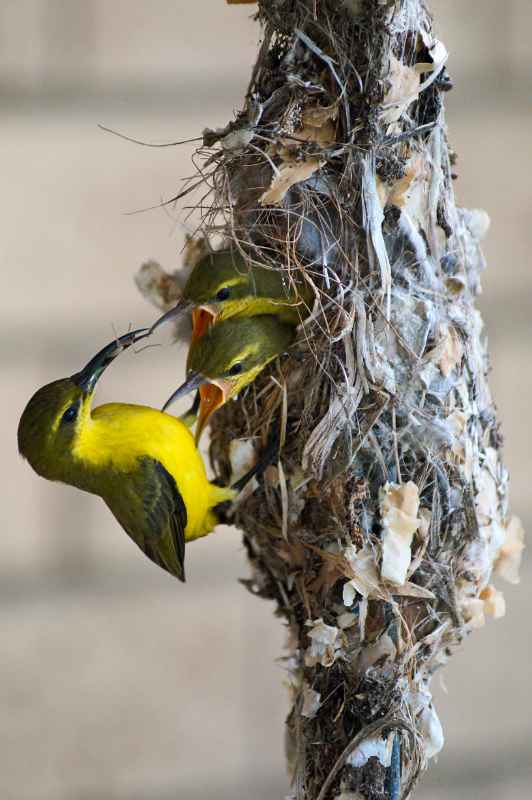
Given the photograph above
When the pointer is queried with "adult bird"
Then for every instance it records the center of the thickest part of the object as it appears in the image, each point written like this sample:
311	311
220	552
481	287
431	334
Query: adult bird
224	284
228	357
142	462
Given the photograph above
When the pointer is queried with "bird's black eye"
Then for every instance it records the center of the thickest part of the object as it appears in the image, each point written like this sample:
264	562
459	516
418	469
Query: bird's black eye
236	369
71	413
223	294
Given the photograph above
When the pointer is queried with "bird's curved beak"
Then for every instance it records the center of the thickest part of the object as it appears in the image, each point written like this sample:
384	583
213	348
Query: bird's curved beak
193	382
87	378
202	318
181	307
213	395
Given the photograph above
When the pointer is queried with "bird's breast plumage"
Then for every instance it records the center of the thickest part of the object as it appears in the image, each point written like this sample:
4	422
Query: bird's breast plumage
118	437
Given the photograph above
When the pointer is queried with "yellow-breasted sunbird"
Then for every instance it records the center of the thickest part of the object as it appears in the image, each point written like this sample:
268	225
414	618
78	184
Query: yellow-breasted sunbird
229	356
142	462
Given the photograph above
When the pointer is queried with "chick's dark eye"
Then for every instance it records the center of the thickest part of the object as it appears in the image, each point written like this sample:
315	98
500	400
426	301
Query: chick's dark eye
71	413
223	294
236	369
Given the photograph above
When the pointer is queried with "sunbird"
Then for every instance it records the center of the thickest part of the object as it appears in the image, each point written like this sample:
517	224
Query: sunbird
142	462
223	285
229	356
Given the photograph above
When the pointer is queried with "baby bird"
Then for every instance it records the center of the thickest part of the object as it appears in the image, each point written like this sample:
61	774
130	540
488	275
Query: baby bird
223	285
228	357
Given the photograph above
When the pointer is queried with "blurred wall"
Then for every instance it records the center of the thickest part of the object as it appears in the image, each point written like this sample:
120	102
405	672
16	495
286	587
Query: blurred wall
115	682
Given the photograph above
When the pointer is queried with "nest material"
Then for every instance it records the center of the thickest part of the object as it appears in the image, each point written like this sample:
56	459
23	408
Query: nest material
378	531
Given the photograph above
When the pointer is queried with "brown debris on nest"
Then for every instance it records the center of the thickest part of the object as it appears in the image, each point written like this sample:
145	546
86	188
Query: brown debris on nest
377	532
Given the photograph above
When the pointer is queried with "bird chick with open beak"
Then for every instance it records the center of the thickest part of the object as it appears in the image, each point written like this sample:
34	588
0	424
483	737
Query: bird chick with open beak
228	357
223	285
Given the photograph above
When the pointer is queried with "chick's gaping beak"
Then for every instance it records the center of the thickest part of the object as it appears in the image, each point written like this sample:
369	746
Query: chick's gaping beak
193	382
202	318
87	378
181	307
213	395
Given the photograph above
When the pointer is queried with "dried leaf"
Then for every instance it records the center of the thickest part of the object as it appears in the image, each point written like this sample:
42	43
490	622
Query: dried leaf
490	602
494	604
365	576
403	88
398	193
399	504
289	174
448	351
456	423
425	517
325	644
410	589
311	702
367	582
452	352
510	554
318	116
472	609
318	125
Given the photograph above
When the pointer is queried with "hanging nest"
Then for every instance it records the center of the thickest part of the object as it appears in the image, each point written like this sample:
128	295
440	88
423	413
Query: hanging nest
378	530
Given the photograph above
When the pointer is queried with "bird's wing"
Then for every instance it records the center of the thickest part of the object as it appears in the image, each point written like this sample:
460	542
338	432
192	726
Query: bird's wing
166	515
157	523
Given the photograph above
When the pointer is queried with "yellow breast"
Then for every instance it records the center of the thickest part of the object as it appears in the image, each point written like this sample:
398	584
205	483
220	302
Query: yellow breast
116	435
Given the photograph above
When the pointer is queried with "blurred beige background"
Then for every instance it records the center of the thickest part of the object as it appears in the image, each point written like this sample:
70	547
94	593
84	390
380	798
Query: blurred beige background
116	682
